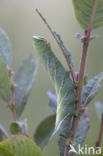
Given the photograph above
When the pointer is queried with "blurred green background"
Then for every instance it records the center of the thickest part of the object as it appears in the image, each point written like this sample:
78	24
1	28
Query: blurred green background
19	19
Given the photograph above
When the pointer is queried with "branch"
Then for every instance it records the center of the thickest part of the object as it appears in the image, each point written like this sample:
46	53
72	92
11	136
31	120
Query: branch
84	55
98	143
11	103
12	108
60	46
82	69
83	63
66	153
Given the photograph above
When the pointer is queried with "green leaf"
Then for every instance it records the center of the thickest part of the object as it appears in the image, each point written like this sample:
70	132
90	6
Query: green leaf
67	53
46	127
59	125
91	89
15	128
44	131
5	48
81	133
83	10
24	79
18	127
64	86
53	105
85	80
82	130
5	90
62	143
18	145
53	100
4	152
3	133
99	109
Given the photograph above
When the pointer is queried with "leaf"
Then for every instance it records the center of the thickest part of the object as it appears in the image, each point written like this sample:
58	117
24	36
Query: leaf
53	100
24	79
15	128
59	125
4	152
53	105
64	86
46	127
99	109
79	36
3	133
62	143
18	145
85	79
82	130
5	91
83	10
5	47
62	139
67	53
81	133
18	127
44	131
91	89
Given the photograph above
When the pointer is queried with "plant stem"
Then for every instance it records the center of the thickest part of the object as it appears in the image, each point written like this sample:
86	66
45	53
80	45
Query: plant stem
98	143
11	104
13	110
66	151
14	115
80	83
83	66
82	70
92	18
84	56
60	46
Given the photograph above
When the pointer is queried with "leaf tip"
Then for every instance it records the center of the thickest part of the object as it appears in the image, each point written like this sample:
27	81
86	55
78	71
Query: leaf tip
36	38
39	38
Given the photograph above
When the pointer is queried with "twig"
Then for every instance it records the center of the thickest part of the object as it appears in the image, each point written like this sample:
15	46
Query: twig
82	68
83	64
53	33
14	115
11	104
66	153
98	143
84	55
